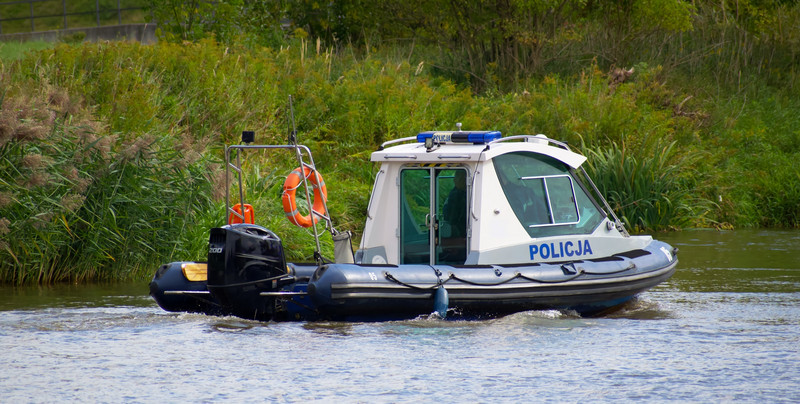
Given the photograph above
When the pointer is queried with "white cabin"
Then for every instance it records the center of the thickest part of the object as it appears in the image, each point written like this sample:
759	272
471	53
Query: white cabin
475	198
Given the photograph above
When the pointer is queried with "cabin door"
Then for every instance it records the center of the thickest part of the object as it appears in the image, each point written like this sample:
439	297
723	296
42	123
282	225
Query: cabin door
433	215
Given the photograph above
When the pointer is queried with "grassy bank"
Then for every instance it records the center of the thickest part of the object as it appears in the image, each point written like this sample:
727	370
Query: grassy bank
10	51
110	154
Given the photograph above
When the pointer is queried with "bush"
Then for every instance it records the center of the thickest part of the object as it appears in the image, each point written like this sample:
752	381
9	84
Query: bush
83	203
652	191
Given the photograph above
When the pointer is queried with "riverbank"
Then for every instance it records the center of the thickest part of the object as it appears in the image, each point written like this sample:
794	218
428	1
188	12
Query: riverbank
110	153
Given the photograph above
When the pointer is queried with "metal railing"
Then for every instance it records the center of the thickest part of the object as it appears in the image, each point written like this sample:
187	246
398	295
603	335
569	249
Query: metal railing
33	15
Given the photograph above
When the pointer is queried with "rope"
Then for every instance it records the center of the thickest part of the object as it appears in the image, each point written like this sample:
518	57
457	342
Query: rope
453	276
302	175
631	266
389	276
527	278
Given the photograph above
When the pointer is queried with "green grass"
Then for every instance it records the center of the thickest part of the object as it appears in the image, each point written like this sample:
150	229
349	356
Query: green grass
10	51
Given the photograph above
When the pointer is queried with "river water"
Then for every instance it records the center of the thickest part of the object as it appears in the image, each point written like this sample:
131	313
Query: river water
725	328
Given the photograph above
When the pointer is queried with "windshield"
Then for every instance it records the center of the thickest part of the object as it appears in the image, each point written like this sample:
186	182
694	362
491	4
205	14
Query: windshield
544	195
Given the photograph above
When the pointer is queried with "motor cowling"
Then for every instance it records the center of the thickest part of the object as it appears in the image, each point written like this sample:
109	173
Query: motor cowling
245	260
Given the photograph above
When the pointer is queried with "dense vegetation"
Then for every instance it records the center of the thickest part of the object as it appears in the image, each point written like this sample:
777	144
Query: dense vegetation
111	153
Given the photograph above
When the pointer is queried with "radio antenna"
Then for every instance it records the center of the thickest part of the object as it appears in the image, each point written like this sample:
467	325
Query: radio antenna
293	128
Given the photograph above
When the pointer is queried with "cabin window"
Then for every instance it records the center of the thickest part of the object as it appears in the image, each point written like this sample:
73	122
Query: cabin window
544	195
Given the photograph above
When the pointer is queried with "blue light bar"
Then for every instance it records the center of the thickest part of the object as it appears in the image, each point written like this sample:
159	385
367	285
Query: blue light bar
475	137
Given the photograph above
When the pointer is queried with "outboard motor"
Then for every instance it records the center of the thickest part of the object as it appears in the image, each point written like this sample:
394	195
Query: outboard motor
245	260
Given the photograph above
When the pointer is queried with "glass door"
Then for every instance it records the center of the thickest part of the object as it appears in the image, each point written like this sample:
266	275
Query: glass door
433	215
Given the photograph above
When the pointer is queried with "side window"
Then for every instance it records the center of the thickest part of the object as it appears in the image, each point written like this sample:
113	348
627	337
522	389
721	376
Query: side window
556	199
544	196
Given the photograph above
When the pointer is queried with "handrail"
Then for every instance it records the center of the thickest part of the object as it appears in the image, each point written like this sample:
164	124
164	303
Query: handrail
618	223
374	184
401	140
537	139
299	150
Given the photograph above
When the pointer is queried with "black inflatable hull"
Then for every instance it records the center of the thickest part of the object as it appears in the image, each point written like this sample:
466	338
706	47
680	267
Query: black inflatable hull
248	277
174	292
360	292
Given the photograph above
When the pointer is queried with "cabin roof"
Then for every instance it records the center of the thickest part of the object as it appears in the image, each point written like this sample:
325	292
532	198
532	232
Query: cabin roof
468	152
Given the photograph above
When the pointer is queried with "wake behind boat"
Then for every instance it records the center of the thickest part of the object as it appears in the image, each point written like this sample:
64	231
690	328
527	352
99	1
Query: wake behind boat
460	223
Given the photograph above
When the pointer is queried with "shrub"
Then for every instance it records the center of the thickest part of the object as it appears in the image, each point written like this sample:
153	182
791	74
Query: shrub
648	192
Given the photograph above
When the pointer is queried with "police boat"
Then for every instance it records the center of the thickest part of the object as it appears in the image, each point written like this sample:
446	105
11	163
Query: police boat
460	224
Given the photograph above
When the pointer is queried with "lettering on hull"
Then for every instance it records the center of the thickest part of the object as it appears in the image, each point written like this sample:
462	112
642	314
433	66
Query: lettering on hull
563	249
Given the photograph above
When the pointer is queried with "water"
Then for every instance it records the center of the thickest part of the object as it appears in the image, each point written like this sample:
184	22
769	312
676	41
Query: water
724	329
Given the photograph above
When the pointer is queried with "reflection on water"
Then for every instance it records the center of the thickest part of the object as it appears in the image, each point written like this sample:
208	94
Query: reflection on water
232	325
724	328
762	261
641	309
330	329
68	295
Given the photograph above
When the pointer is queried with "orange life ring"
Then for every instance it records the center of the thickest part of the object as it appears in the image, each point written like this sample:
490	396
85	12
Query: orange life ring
290	186
249	216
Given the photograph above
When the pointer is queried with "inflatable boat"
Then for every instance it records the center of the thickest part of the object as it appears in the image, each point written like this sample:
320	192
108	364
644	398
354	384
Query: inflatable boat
460	224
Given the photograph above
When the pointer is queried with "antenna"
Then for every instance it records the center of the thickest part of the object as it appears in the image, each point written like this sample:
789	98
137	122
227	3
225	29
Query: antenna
293	129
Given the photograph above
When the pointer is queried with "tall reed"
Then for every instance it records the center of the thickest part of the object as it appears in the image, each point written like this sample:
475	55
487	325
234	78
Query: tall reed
652	191
82	203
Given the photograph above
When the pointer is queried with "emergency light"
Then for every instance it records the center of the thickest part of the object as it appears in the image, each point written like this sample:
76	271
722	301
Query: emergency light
474	137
